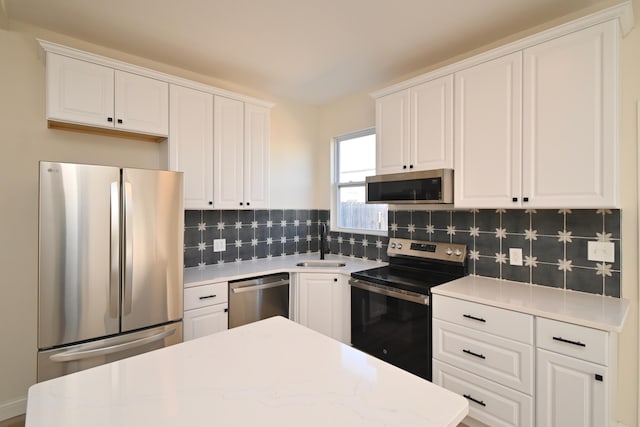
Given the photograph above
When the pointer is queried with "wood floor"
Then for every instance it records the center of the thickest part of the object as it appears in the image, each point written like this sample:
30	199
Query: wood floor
13	422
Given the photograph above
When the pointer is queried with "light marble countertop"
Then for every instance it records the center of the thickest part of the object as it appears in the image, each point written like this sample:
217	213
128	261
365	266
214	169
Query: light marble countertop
269	373
595	311
195	276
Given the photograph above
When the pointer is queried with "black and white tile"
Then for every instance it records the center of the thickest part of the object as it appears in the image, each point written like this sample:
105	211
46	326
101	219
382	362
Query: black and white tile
249	234
553	241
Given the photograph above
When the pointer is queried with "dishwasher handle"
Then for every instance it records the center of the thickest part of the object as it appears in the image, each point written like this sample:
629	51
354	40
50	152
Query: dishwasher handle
258	287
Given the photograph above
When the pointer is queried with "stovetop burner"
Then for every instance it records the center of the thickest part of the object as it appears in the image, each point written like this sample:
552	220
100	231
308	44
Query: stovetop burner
417	266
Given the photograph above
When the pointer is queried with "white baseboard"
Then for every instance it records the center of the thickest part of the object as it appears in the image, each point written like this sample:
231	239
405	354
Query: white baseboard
13	408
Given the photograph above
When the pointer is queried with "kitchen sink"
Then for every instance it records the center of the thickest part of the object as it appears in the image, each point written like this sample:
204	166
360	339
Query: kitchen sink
321	263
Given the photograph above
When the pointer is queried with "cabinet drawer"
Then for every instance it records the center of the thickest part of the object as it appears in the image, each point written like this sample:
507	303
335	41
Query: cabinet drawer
502	360
203	296
489	403
497	321
573	340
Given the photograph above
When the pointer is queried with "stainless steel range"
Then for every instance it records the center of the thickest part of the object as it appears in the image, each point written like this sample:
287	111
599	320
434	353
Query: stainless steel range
390	306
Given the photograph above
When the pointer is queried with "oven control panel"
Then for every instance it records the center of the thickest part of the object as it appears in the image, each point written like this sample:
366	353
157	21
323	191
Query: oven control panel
432	250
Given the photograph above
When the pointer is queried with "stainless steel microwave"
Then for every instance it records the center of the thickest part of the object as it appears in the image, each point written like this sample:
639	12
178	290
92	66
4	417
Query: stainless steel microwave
431	186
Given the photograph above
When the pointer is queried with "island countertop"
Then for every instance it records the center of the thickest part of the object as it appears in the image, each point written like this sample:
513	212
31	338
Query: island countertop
272	372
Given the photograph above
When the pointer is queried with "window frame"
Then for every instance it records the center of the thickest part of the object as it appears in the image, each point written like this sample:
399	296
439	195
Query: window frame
336	185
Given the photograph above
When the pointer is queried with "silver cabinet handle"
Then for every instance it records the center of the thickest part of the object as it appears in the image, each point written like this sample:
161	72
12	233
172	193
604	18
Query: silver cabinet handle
411	297
252	288
69	356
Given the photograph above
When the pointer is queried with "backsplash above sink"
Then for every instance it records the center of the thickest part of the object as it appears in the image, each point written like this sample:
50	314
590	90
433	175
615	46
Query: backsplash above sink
250	234
553	242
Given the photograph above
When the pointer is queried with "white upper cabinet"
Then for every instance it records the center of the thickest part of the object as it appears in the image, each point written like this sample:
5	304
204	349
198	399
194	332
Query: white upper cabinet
570	141
79	91
530	124
392	133
414	128
88	94
257	131
191	144
141	104
488	136
538	128
241	155
431	124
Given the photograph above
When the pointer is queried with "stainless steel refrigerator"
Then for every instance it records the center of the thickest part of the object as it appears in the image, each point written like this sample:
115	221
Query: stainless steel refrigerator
110	264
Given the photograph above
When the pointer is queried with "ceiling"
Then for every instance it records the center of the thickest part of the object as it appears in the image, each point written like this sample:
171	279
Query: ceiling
310	51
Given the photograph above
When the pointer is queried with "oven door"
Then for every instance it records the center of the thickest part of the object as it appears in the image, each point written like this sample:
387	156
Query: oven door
392	326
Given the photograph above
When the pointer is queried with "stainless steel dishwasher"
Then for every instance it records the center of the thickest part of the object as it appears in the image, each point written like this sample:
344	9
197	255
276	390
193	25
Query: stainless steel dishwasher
258	298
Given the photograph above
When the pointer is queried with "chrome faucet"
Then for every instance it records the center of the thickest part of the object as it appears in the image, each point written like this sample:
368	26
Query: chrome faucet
323	239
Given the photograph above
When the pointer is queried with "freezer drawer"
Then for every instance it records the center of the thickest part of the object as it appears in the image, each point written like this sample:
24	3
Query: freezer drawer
66	360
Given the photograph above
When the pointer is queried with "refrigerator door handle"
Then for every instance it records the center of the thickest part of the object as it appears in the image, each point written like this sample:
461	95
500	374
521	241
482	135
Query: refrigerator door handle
114	276
128	249
69	356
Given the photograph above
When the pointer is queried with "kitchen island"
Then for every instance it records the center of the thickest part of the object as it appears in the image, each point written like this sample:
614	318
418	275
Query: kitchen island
272	372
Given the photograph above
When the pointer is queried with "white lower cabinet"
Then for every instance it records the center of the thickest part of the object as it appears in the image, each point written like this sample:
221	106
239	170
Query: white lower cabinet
563	377
489	402
324	304
574	375
485	354
205	321
205	310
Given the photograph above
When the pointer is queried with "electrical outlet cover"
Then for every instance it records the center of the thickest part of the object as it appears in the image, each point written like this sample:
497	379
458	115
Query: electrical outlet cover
601	251
515	256
219	245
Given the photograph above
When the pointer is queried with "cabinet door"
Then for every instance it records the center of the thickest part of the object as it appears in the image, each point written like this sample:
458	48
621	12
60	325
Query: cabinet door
228	153
141	104
316	302
570	139
256	156
205	321
342	309
191	144
488	137
79	92
392	133
570	392
324	305
431	124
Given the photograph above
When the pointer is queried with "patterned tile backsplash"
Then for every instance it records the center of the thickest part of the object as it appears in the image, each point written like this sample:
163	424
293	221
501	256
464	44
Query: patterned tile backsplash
250	234
553	242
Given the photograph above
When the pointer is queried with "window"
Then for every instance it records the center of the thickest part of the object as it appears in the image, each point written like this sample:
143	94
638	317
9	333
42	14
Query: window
355	158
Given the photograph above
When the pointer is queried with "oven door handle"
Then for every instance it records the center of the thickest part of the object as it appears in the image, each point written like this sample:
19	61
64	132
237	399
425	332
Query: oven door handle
411	297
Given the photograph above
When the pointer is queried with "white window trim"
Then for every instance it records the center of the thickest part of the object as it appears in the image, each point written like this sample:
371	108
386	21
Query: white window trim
334	185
